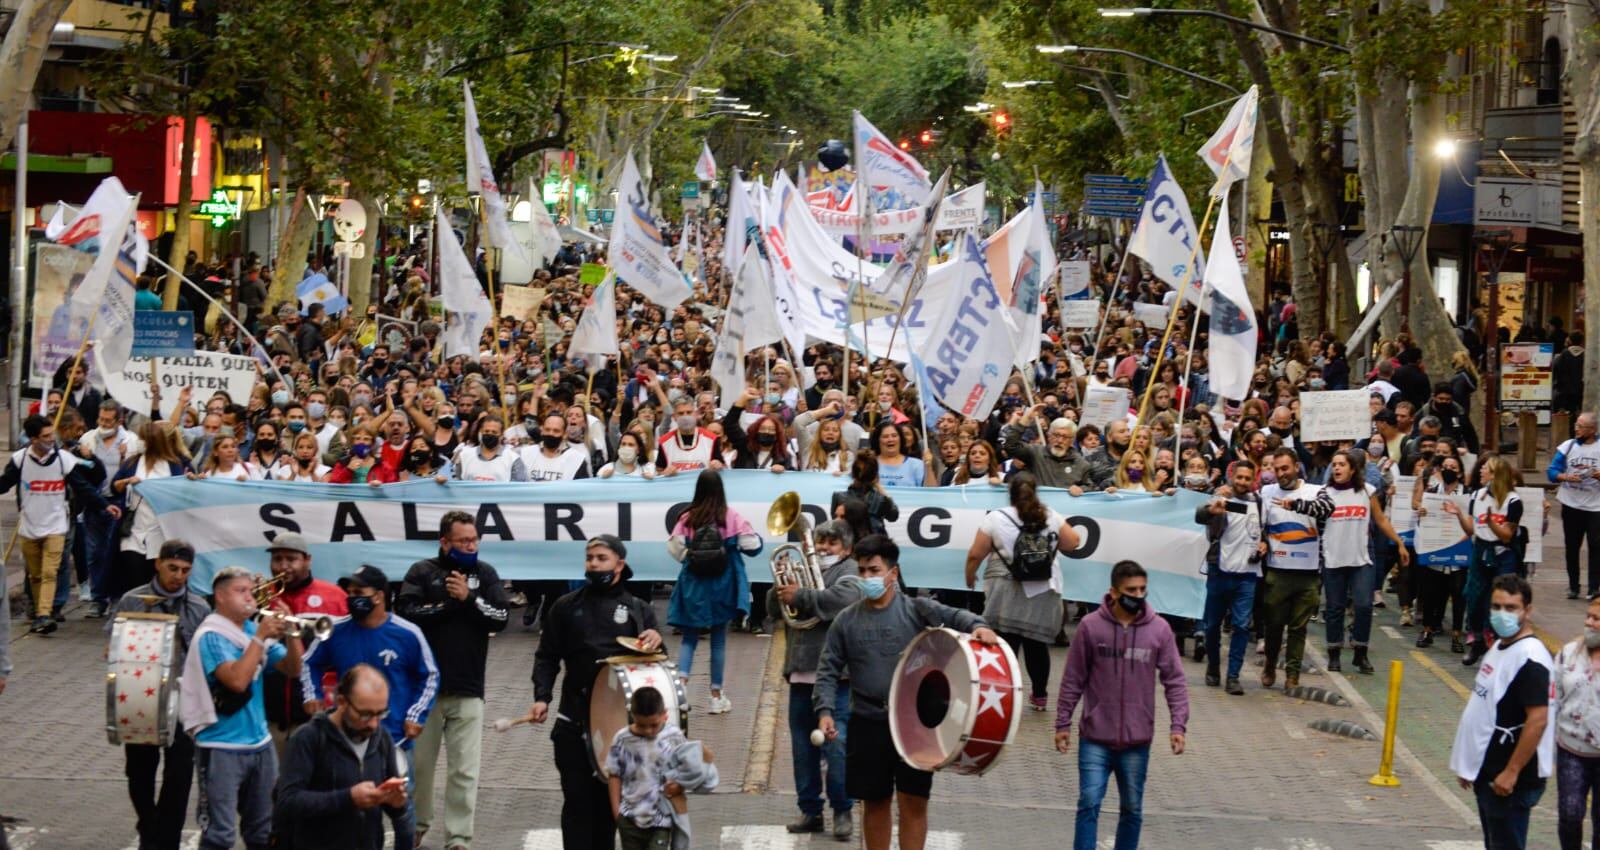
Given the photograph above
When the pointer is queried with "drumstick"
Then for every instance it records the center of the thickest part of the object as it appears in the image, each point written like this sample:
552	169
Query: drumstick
817	738
505	723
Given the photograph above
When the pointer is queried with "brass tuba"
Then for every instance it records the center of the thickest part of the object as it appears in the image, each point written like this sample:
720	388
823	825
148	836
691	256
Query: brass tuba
794	563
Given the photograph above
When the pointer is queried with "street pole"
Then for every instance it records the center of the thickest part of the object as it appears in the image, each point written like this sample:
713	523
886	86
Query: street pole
1407	239
19	280
1493	246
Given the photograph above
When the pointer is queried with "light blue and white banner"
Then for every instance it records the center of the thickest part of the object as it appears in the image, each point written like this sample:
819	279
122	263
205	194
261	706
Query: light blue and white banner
537	531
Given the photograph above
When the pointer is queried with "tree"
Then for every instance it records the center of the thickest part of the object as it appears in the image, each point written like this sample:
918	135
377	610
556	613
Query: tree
1581	24
21	55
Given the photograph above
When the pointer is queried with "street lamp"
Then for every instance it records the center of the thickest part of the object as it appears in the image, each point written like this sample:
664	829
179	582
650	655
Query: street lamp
1054	49
1493	248
1024	84
1145	12
1407	239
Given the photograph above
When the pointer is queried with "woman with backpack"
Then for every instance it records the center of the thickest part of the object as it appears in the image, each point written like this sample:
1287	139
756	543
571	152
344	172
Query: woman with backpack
864	485
711	541
1022	576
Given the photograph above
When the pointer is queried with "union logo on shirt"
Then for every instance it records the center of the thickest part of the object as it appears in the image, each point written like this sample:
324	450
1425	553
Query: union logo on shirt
55	486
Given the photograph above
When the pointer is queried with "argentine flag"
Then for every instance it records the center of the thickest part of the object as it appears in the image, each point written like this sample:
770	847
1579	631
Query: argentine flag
317	289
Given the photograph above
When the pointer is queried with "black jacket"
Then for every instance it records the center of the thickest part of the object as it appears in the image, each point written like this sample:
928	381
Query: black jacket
457	630
314	808
1453	423
581	632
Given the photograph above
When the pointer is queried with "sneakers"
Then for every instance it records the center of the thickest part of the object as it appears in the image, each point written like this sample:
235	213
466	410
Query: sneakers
1405	616
1038	703
1233	688
1425	639
85	593
843	826
1456	645
720	705
42	626
806	823
97	611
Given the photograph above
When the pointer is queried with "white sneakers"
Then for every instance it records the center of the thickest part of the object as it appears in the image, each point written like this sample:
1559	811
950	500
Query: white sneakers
720	705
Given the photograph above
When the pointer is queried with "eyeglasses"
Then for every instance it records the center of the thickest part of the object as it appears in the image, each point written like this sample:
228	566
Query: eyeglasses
366	716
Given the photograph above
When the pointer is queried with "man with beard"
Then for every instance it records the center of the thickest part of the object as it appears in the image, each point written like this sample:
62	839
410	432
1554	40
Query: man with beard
1104	461
1057	463
1281	424
340	768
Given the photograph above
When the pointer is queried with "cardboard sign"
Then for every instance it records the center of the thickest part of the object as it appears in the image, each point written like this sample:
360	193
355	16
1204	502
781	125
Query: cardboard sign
521	302
163	333
205	372
1080	314
1104	405
1153	315
1335	415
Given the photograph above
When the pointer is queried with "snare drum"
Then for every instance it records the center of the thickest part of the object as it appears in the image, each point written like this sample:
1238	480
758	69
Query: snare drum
954	703
142	679
613	693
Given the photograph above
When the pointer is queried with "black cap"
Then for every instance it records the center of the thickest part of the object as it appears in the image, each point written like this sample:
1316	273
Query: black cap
367	576
610	541
1387	417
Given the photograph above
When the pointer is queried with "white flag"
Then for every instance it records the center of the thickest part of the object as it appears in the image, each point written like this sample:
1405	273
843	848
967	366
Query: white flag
743	221
911	256
963	358
470	310
894	177
1233	322
106	293
1166	236
1227	152
706	167
639	254
596	334
683	242
480	178
1021	260
546	236
750	321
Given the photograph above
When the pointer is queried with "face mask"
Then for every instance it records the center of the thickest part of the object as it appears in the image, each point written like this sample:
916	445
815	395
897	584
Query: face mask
873	588
296	425
337	423
885	406
108	433
674	394
767	440
420	458
465	559
830	445
1195	481
280	397
316	410
598	580
379	362
827	561
447	422
1591	638
1450	476
1131	604
489	441
1505	623
360	606
266	445
685	422
361	400
627	454
1101	376
530	423
677	363
361	450
773	398
550	441
1317	383
1135	475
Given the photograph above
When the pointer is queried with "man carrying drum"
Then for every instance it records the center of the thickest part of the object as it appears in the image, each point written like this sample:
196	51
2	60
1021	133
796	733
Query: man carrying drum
580	634
864	644
160	818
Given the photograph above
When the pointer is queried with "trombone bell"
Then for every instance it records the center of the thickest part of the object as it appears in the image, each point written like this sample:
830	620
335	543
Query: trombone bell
783	513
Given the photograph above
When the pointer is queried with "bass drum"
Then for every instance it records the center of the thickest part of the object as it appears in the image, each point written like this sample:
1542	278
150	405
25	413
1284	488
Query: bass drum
954	703
613	693
142	679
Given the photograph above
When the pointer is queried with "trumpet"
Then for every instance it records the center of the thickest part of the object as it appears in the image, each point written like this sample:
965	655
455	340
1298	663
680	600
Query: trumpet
794	563
268	590
306	628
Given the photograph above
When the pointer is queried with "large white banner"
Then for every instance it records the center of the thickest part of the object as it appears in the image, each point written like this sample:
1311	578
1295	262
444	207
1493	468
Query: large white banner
480	178
894	177
964	359
104	300
461	294
204	372
959	211
639	253
534	532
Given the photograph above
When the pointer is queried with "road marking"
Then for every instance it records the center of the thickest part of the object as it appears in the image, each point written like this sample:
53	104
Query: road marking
1443	675
764	742
541	839
27	837
1454	845
748	837
1391	631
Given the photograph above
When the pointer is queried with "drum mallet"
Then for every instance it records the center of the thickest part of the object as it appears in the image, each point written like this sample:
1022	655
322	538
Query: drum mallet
817	738
505	723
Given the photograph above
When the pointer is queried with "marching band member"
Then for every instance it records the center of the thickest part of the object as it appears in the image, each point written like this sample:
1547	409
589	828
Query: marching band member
160	818
304	595
864	644
841	589
580	633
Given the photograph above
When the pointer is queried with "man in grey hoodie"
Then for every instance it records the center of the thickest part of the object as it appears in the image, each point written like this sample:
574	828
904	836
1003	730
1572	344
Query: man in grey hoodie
864	645
1112	668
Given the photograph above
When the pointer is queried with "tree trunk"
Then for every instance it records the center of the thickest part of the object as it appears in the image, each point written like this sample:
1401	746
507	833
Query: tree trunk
360	284
293	244
180	227
1257	241
1583	87
21	55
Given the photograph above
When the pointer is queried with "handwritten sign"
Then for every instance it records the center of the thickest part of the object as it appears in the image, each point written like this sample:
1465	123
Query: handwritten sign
204	372
1080	314
1335	415
521	302
1152	315
1104	405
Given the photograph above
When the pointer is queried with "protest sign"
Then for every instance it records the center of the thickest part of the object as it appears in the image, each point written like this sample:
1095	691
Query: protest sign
590	274
1335	415
1104	405
1533	521
1152	315
1438	538
1401	516
57	272
521	302
205	372
1074	278
1080	314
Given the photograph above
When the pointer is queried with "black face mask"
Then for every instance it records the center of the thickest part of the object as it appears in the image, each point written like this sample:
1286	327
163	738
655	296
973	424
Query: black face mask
598	580
419	459
489	441
830	445
266	445
550	441
767	440
360	606
1131	604
1450	476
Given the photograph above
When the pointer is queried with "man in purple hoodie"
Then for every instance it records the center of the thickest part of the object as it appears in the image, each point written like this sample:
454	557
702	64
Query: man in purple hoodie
1112	667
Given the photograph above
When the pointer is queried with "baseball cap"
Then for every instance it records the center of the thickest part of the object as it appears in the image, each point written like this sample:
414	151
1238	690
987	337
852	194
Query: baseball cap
610	541
290	541
366	576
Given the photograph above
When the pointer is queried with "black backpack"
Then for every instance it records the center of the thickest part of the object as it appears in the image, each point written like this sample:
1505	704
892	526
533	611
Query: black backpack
707	556
1033	555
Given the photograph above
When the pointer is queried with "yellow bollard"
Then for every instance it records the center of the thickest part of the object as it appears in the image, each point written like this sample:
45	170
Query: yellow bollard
1385	776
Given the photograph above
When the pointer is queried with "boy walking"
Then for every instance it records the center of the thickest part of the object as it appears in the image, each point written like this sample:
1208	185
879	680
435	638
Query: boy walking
652	766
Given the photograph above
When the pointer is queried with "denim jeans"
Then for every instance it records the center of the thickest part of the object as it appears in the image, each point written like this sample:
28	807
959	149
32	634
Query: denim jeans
1234	595
1505	819
1486	566
1342	586
235	784
1095	765
808	759
99	532
719	652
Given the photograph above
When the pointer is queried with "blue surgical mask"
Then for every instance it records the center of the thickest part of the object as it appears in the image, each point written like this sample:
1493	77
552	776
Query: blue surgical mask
1505	623
296	425
465	559
873	588
316	410
774	398
280	397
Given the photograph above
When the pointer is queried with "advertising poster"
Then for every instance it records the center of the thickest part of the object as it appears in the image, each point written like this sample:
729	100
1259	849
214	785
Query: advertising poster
58	270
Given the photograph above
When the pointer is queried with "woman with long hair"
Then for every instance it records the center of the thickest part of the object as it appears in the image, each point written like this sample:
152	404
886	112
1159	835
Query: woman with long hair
981	466
865	486
632	459
711	541
1347	576
1134	474
762	445
223	462
827	451
1577	720
1463	381
163	456
896	469
421	461
362	466
303	463
1494	512
1024	609
265	451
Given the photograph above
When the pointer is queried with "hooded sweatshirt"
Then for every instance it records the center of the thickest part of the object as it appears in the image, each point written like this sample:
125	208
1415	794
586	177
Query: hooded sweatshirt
1112	668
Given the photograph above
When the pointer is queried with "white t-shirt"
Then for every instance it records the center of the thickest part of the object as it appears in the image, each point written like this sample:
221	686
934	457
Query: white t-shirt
241	471
289	471
1002	527
473	466
563	467
1346	531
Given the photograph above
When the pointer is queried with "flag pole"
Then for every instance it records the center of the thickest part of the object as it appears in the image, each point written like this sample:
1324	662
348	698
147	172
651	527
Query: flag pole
1105	319
494	312
231	317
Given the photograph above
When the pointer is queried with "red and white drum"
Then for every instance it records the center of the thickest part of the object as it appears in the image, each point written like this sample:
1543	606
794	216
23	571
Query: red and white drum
613	694
954	703
142	679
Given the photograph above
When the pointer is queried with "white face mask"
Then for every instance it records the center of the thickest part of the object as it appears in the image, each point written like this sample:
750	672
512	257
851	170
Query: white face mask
686	423
108	433
627	454
827	560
